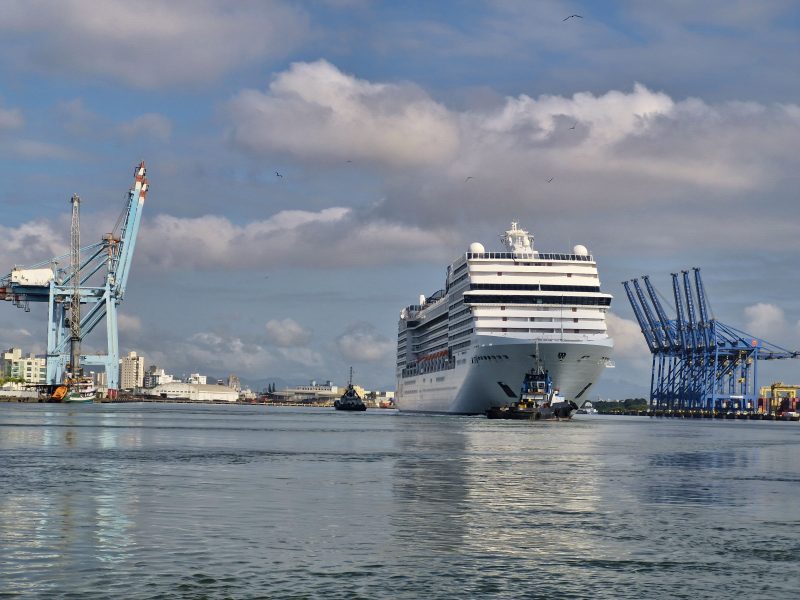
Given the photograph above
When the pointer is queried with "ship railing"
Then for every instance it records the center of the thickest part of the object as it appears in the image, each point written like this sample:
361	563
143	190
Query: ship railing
532	256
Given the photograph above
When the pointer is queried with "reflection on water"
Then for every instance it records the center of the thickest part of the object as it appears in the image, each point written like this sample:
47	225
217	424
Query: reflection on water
231	501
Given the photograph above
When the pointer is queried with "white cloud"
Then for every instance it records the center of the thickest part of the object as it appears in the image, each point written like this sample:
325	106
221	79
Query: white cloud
314	111
616	153
209	350
302	356
151	125
641	135
629	342
35	150
30	242
765	321
16	334
330	237
287	332
361	342
148	43
128	323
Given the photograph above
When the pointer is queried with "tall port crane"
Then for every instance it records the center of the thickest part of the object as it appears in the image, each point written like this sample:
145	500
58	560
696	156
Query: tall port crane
96	276
698	363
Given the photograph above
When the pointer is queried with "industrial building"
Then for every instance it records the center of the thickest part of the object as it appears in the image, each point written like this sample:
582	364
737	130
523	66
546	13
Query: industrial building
778	397
327	393
196	392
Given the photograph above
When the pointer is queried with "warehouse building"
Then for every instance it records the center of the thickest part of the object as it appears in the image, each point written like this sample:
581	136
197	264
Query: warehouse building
196	392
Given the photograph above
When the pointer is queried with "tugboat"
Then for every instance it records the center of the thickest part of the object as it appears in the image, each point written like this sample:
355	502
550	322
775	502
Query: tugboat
350	400
538	400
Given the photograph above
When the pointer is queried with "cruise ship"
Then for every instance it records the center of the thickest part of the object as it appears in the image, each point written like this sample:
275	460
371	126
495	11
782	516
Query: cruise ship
467	348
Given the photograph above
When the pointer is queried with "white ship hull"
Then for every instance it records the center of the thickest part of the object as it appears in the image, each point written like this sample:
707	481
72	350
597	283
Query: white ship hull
491	372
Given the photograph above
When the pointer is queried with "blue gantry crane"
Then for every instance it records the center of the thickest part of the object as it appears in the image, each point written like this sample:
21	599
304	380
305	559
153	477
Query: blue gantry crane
699	364
95	275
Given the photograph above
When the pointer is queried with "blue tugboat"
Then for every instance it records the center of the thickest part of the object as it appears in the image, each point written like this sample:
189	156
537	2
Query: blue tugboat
350	400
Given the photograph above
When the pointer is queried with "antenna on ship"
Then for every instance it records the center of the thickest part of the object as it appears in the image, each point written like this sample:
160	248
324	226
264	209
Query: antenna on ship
350	383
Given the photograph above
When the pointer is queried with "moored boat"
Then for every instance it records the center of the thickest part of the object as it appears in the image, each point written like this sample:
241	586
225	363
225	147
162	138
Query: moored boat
76	391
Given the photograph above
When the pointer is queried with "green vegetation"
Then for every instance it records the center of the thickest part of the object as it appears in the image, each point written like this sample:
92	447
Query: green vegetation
617	407
4	380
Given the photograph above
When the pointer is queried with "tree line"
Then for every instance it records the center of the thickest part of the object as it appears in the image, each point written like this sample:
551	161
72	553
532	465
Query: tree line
610	407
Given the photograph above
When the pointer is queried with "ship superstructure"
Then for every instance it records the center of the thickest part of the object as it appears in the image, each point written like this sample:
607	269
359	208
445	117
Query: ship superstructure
468	347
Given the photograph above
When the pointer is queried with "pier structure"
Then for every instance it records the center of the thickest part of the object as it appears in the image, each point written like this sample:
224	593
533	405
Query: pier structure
699	364
96	276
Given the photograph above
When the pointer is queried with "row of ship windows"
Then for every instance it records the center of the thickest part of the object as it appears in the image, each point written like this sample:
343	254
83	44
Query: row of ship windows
430	349
456	304
460	269
460	323
552	287
429	340
461	334
458	280
582	300
487	318
476	359
460	313
534	287
523	330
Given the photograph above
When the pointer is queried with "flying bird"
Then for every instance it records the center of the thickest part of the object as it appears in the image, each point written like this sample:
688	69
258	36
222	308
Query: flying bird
551	179
573	126
278	175
571	17
349	161
468	178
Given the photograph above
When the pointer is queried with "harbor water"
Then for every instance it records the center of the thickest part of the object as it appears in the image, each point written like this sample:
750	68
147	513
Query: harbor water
193	501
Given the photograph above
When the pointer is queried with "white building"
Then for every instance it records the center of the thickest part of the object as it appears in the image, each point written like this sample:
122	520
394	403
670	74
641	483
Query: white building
100	382
156	376
30	368
197	392
197	379
131	371
314	391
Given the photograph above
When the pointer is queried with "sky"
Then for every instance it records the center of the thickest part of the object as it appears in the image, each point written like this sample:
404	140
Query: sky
671	135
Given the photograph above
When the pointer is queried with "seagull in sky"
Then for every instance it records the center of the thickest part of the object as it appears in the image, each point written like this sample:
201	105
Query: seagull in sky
349	161
468	178
551	179
278	175
573	126
572	17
